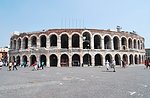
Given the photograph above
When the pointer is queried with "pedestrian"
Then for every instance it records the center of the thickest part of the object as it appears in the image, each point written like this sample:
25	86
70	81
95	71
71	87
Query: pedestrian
123	64
1	64
10	65
113	65
15	65
42	64
35	65
107	64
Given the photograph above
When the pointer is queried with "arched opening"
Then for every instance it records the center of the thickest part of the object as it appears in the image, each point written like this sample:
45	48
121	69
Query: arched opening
76	60
135	45
11	45
118	59
124	43
97	42
107	42
125	59
131	59
19	44
139	59
86	40
43	41
25	43
18	60
116	43
136	59
43	59
64	60
53	40
33	41
32	59
75	41
98	60
24	60
64	41
14	59
14	44
130	43
53	60
109	58
87	60
138	44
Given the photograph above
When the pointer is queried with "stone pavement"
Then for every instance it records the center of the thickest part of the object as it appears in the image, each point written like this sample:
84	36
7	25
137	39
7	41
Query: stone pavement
75	82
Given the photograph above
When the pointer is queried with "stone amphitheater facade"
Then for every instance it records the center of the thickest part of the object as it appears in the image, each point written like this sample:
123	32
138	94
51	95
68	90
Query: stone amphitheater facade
77	47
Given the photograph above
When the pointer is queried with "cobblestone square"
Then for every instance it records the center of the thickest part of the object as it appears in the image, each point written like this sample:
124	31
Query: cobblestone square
75	82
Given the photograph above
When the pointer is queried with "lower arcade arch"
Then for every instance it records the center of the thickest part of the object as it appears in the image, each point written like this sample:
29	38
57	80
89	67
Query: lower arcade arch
32	59
87	59
136	59
64	61
139	59
109	58
131	59
118	59
98	60
53	60
18	60
43	59
76	60
125	59
24	60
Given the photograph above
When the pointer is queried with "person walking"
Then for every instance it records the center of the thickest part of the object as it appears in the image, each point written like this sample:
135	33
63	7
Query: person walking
113	65
1	64
107	64
15	65
10	65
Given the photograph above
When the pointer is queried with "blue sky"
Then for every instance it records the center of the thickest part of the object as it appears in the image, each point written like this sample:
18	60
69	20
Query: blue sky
36	15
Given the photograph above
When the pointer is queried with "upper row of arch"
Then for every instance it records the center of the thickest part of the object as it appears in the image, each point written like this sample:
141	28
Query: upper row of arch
102	36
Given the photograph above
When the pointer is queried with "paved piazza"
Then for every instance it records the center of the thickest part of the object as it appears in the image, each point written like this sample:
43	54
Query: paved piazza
75	82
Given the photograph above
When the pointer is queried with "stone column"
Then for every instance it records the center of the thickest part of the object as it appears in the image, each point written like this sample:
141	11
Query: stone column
59	65
112	44
93	61
70	61
81	60
38	42
47	61
47	42
92	42
102	41
120	44
70	42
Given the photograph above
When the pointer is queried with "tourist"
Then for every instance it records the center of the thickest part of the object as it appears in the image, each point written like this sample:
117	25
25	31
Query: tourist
10	65
1	64
15	65
107	64
113	65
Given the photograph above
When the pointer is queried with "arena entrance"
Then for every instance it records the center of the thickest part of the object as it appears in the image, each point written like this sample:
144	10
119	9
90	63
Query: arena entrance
136	59
87	60
18	60
118	59
64	60
125	59
43	59
109	58
24	60
32	59
53	60
131	59
98	60
76	60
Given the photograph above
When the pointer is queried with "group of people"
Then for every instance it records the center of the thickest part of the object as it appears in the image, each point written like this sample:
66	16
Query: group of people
110	65
147	63
38	66
12	65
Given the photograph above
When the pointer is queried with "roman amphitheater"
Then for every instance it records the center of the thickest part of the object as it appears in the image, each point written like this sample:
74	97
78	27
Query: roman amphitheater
77	47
